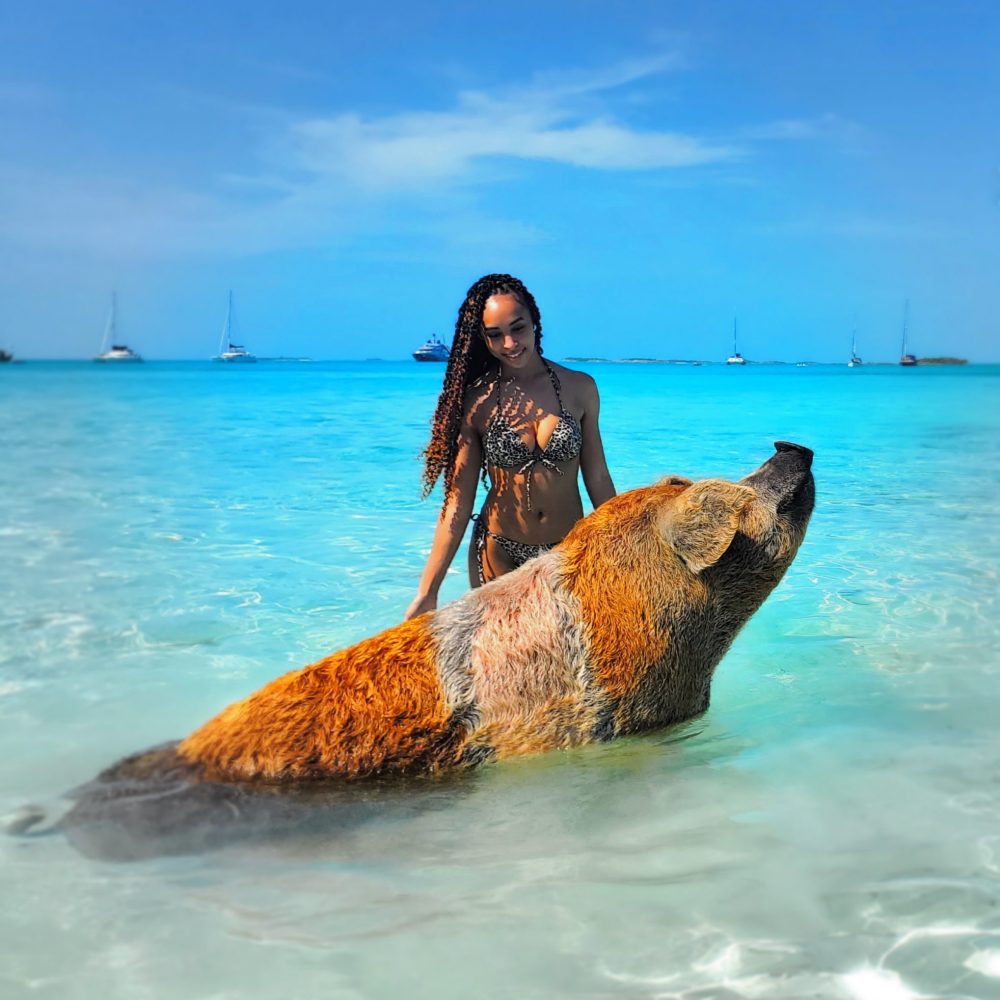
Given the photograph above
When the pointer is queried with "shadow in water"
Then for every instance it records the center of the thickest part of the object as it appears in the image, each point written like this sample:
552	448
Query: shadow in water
154	804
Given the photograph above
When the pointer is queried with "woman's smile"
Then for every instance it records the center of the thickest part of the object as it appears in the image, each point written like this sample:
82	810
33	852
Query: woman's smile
508	331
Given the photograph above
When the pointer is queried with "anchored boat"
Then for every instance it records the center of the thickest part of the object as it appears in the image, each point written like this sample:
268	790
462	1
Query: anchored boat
432	350
110	351
735	358
855	360
906	360
228	351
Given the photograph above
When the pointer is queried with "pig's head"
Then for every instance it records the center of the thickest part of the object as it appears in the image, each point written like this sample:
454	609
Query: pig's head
667	576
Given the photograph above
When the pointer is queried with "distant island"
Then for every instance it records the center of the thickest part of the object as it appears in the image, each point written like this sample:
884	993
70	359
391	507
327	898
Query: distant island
636	361
801	364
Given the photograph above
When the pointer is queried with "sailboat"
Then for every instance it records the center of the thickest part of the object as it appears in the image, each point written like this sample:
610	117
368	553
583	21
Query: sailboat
906	360
228	351
735	358
855	360
110	351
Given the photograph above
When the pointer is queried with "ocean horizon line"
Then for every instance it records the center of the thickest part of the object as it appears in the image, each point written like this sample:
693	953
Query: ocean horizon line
678	362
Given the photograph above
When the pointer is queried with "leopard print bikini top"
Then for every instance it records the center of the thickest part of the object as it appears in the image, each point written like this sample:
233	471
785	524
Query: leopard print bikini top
505	448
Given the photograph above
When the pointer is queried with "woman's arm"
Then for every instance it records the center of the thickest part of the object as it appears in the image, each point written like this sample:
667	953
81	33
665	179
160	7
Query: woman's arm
453	520
593	464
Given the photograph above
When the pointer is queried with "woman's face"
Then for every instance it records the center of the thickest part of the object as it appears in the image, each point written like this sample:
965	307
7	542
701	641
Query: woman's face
508	331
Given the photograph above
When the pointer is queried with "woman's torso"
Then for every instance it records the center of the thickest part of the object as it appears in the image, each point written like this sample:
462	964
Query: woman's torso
531	437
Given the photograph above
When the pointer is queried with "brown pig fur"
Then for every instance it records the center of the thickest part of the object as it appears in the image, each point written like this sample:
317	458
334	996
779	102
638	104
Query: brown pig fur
617	630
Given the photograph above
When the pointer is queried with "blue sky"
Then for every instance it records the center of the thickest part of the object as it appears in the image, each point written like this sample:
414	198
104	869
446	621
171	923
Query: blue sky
650	171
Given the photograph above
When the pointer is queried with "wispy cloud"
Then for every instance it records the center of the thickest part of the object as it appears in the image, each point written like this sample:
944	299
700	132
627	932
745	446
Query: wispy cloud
827	126
315	180
417	150
116	217
553	119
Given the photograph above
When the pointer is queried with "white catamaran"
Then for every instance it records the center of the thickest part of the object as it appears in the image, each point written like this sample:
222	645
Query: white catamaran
735	358
110	351
228	351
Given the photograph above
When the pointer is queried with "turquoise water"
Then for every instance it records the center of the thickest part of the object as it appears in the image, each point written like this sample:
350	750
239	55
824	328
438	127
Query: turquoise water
175	535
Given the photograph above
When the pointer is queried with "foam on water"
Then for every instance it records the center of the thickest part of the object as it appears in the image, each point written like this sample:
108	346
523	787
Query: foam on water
174	535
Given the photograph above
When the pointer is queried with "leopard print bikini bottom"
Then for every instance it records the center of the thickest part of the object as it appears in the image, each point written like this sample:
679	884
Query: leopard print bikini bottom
518	552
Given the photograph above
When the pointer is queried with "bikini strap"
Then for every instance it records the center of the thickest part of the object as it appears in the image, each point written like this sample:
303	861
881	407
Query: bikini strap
554	379
498	387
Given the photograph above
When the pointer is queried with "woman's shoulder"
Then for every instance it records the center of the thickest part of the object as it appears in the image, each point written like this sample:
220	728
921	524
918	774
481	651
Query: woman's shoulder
572	374
579	383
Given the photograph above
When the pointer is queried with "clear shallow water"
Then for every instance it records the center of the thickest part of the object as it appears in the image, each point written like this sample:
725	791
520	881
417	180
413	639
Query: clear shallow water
174	535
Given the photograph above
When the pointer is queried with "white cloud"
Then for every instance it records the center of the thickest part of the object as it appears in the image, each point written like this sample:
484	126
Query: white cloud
549	120
410	151
314	181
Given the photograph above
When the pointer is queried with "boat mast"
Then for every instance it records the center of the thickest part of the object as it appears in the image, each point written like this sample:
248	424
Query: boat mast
906	316
735	352
226	327
110	331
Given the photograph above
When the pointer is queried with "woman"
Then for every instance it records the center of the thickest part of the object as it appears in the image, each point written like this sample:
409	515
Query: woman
530	425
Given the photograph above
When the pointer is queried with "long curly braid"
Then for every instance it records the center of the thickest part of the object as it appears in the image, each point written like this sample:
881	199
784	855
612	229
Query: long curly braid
468	362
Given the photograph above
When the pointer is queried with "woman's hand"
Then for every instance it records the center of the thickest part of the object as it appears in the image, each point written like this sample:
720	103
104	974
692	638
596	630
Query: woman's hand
421	603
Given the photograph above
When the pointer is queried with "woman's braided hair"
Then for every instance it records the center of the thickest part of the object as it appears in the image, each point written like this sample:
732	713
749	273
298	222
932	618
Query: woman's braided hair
468	362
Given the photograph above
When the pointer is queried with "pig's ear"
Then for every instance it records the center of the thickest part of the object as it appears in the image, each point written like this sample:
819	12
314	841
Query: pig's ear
701	524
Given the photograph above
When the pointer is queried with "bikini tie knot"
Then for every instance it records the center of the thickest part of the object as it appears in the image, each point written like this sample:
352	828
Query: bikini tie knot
526	469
